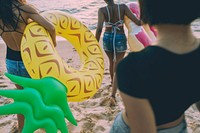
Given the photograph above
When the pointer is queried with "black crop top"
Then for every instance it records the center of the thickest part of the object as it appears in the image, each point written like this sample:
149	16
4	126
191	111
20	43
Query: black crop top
13	55
171	82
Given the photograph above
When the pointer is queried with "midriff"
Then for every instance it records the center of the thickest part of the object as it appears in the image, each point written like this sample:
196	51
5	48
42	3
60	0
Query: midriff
163	126
171	124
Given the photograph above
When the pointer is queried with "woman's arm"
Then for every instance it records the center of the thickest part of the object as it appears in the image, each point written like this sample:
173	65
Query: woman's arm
140	114
131	16
35	16
99	24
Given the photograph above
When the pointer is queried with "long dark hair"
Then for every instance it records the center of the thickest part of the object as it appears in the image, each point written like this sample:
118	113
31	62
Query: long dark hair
7	15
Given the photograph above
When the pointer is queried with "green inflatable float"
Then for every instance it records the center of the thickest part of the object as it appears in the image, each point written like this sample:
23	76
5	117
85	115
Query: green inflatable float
43	103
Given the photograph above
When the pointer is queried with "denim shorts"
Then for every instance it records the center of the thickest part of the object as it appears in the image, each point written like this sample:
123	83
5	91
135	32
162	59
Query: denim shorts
16	68
119	126
120	42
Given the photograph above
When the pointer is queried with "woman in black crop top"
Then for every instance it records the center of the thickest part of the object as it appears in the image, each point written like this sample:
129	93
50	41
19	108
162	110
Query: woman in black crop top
160	82
14	16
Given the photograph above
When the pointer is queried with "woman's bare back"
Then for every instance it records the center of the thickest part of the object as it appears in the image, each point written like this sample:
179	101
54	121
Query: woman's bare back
114	16
12	36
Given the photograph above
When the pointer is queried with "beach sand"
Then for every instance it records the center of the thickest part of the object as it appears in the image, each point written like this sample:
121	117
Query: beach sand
93	115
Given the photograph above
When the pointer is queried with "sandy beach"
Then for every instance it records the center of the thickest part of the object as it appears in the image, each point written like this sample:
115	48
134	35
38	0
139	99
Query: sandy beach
93	115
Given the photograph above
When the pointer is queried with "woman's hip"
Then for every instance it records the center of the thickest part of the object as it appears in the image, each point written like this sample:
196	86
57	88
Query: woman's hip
117	42
16	68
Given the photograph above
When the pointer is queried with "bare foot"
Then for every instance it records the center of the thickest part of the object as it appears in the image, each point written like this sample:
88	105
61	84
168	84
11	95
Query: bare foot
112	101
104	101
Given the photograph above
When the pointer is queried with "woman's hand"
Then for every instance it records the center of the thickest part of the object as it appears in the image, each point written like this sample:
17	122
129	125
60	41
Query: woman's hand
34	15
141	23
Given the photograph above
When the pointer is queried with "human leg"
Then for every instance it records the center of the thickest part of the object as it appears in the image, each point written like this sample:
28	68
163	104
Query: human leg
110	58
120	47
119	57
17	68
20	117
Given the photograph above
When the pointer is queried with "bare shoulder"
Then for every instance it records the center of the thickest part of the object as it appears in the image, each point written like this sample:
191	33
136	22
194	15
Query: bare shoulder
123	6
28	8
102	9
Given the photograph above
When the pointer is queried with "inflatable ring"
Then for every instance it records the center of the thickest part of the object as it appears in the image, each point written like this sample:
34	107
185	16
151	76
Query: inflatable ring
133	30
138	36
134	7
42	60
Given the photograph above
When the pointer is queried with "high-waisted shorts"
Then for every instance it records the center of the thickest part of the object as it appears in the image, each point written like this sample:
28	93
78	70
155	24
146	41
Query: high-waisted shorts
16	68
120	42
119	126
